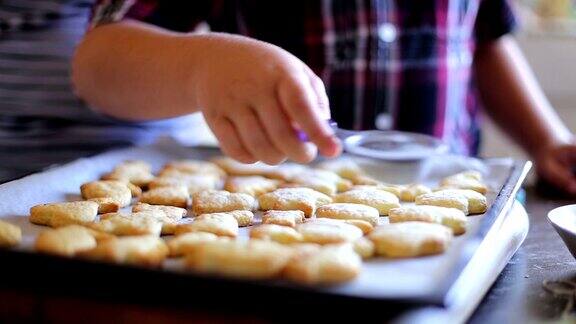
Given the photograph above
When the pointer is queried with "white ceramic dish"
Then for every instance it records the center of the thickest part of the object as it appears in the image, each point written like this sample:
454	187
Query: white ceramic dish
563	219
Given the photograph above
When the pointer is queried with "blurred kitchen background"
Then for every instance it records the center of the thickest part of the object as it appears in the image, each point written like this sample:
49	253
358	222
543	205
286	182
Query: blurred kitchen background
548	38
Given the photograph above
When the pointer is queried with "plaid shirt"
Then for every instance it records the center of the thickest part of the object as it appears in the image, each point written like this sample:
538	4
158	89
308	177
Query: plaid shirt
407	61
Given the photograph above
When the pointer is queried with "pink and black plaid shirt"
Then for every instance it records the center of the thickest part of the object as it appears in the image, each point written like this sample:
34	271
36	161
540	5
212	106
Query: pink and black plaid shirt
408	62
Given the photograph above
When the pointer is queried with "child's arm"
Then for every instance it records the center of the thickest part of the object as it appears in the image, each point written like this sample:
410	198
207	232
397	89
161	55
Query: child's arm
513	98
252	94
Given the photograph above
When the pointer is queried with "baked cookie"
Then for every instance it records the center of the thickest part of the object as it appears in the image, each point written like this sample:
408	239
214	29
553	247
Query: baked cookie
363	225
65	241
243	217
320	185
140	223
304	199
327	265
349	211
10	234
216	201
62	214
476	201
363	179
327	231
188	242
106	205
465	180
326	182
251	185
285	171
344	167
283	217
194	167
194	182
410	239
450	217
173	213
168	215
364	247
396	190
305	247
167	196
134	189
112	189
411	191
221	224
235	168
145	250
444	199
277	233
136	172
282	172
383	201
252	259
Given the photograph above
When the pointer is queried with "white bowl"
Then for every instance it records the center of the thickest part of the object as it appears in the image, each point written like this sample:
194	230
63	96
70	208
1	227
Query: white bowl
563	219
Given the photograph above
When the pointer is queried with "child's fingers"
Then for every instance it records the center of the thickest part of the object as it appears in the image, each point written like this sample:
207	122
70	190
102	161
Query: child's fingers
254	138
320	90
559	175
281	133
567	155
229	140
301	104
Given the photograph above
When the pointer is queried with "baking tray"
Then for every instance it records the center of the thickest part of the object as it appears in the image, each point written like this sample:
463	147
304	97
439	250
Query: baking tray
414	281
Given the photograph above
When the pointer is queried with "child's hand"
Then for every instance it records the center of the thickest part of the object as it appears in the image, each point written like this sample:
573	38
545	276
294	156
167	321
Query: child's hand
255	96
556	164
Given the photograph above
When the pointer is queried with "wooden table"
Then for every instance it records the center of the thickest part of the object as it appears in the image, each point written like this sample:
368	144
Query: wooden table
516	297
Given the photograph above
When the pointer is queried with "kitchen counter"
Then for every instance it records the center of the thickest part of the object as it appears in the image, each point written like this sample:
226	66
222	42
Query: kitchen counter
516	297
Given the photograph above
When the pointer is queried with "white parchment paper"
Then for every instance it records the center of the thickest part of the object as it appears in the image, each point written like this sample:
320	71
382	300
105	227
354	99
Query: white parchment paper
380	277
